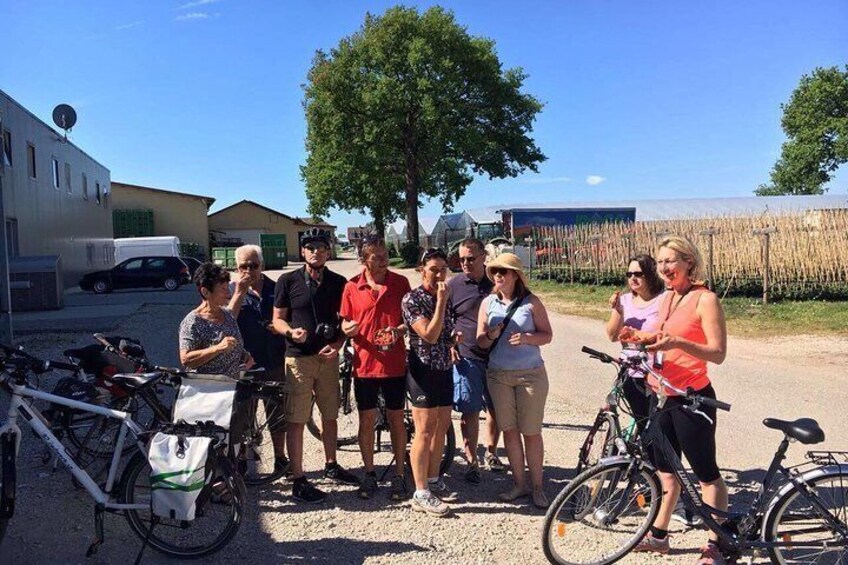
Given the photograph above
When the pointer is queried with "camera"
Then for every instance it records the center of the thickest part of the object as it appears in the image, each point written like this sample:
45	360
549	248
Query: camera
327	331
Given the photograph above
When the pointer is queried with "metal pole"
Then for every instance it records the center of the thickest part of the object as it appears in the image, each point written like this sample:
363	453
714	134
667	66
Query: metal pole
531	251
765	233
6	334
710	233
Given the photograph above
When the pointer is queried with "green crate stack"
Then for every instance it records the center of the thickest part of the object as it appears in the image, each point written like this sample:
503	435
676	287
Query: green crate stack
132	223
231	252
275	257
219	256
272	240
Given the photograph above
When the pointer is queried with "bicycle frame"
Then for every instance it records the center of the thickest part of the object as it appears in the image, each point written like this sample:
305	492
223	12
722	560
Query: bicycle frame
36	420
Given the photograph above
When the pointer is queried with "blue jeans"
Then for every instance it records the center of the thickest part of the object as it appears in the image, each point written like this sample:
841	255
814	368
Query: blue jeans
470	392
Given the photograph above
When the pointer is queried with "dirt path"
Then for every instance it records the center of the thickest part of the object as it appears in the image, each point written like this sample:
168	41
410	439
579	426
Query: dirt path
801	377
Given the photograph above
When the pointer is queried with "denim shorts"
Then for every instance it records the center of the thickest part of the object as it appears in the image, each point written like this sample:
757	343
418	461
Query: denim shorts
470	392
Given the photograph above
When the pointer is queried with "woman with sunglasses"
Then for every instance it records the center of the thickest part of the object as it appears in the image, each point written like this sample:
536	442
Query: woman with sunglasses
430	379
513	324
638	308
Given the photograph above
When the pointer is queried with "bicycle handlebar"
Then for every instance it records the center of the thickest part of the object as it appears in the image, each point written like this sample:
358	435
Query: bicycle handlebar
602	357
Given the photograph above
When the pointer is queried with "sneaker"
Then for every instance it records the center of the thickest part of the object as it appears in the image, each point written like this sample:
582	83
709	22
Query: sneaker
398	491
429	504
494	464
304	491
282	465
684	516
652	544
337	473
711	555
472	475
441	491
368	486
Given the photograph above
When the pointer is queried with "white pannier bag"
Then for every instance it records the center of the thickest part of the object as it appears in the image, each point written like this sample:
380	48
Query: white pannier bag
177	473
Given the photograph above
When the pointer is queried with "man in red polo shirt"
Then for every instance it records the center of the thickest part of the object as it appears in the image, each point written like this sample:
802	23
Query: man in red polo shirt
371	316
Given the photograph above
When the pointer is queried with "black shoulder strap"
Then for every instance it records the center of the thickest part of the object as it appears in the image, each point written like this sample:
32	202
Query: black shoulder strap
510	311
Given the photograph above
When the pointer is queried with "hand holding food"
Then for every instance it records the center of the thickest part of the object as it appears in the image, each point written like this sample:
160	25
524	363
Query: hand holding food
632	335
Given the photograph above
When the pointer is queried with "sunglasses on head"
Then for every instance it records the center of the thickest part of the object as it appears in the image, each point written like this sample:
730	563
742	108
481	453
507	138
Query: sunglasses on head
248	266
433	252
637	274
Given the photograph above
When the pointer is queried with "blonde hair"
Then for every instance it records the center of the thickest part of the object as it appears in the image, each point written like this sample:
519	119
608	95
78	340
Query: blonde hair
687	250
247	250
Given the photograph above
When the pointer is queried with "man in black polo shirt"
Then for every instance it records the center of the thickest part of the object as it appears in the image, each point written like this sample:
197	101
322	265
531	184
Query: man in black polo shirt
252	304
306	311
467	291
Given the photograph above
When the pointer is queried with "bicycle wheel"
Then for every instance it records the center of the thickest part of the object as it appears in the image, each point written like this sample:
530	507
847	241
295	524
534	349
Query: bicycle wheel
256	455
348	432
601	515
215	523
600	441
96	436
803	528
7	481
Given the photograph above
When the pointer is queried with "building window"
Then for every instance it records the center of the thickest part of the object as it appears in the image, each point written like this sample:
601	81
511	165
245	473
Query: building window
89	253
31	161
7	148
12	237
55	173
97	194
68	178
84	187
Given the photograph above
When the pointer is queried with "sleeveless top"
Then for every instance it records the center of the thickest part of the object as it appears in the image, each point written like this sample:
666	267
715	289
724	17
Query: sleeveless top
504	355
645	318
680	368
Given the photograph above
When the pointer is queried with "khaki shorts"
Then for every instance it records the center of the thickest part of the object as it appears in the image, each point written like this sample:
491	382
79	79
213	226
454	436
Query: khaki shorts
306	376
519	397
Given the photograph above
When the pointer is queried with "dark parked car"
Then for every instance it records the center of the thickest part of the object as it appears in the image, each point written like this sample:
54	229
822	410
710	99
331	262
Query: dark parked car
192	265
138	272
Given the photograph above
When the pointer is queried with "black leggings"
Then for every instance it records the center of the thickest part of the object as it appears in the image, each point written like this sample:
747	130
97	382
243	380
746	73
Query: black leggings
690	434
639	401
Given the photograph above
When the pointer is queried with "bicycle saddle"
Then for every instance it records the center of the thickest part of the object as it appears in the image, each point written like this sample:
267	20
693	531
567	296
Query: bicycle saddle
134	381
805	430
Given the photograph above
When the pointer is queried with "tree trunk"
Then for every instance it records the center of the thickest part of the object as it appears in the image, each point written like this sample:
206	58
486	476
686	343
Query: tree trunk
412	181
379	223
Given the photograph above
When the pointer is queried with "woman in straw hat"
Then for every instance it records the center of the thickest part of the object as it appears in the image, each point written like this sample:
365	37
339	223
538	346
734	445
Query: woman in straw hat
518	383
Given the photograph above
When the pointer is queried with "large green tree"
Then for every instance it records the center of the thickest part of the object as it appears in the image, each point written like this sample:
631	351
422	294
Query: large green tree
816	122
412	106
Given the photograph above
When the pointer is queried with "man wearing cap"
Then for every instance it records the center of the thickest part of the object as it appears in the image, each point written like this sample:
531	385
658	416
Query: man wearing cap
471	394
306	307
372	318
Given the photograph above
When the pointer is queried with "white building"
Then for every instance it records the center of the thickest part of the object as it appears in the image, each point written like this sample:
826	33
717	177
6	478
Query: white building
55	196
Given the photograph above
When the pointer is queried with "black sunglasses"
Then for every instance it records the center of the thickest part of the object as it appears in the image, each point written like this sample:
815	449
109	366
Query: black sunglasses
499	271
637	274
433	252
248	266
314	248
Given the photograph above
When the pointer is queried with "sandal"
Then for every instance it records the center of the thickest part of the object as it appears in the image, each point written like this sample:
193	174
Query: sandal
514	493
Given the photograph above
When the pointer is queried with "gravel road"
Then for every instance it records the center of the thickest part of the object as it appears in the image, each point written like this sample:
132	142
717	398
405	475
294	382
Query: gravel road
787	378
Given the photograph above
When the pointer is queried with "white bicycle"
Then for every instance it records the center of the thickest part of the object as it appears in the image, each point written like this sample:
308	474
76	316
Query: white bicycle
219	506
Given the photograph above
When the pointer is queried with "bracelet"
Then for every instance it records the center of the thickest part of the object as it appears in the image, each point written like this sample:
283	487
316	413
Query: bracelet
288	334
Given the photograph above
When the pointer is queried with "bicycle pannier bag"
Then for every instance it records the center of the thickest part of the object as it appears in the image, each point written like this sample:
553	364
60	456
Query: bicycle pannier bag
205	398
178	473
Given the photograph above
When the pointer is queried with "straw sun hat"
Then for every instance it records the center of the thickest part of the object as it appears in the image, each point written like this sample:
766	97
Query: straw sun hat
507	261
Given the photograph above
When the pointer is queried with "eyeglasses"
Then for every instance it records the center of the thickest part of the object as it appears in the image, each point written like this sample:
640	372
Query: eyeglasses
469	259
663	262
433	252
637	274
499	271
315	248
248	266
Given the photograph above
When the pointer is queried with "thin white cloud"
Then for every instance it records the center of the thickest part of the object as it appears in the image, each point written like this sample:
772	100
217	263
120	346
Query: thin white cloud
594	180
196	3
129	25
193	16
546	180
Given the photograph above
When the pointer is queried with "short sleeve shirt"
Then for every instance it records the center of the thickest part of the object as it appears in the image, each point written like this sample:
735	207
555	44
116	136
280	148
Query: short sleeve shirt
267	348
466	296
375	312
418	304
197	333
309	304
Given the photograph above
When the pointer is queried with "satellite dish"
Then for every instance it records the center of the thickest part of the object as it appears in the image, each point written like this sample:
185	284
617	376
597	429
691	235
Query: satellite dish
64	117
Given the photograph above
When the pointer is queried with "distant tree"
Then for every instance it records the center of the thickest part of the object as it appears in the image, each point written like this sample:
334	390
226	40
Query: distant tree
412	105
816	122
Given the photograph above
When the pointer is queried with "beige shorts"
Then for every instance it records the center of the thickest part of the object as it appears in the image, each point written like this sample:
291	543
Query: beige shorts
519	397
308	376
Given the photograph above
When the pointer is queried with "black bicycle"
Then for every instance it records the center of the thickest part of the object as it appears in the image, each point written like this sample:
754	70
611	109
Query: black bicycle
800	514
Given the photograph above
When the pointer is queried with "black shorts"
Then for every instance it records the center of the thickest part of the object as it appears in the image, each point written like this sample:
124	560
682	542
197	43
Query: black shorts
690	434
638	399
429	388
366	391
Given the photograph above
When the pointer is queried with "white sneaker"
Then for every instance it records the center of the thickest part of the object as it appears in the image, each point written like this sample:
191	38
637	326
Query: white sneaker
429	504
681	514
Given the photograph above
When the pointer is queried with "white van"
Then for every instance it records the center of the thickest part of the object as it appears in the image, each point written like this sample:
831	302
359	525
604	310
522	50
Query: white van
163	246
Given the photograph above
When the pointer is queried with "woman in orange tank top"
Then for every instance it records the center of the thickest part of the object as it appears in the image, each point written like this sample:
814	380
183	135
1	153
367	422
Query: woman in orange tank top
693	333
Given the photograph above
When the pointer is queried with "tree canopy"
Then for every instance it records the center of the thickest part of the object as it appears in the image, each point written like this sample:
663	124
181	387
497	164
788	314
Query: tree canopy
411	105
816	122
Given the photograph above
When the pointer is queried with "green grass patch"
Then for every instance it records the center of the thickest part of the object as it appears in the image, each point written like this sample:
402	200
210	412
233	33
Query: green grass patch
396	262
745	316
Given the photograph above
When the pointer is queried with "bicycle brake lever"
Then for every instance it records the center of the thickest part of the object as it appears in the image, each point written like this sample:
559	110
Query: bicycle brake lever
698	412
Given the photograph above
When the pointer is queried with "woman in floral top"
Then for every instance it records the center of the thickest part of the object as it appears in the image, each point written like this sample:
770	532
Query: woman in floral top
430	379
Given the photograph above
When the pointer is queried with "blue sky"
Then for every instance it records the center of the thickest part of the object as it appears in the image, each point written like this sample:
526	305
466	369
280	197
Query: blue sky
642	99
